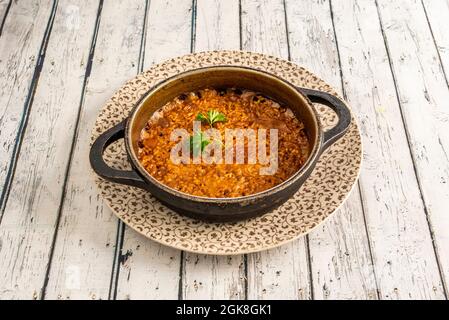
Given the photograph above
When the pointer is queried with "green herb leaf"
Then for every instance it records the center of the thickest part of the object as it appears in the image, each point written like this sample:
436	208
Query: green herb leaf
198	142
201	117
215	116
211	117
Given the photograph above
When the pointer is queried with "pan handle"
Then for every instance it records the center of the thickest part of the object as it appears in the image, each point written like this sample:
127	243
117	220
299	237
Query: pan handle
340	108
129	177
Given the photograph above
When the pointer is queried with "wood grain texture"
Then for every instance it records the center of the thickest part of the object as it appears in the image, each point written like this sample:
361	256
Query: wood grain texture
20	44
215	277
3	10
423	97
147	270
217	25
153	271
84	251
437	12
28	224
404	258
391	60
341	264
281	272
169	30
3	6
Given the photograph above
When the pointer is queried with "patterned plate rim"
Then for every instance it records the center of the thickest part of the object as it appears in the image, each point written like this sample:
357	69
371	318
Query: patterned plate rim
255	249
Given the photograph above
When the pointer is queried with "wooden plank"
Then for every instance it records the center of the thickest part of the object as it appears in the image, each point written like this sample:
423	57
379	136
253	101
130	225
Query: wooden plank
404	259
437	14
205	276
4	8
20	59
84	250
217	25
31	212
3	5
213	277
153	271
281	272
423	96
169	30
341	264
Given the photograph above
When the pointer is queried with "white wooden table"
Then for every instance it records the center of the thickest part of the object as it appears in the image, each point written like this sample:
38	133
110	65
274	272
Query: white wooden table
61	60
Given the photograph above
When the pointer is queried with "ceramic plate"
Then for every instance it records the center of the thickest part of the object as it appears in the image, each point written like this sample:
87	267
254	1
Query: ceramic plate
324	191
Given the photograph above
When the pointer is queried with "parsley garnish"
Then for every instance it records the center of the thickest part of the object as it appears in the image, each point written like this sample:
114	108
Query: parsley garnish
197	143
211	117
